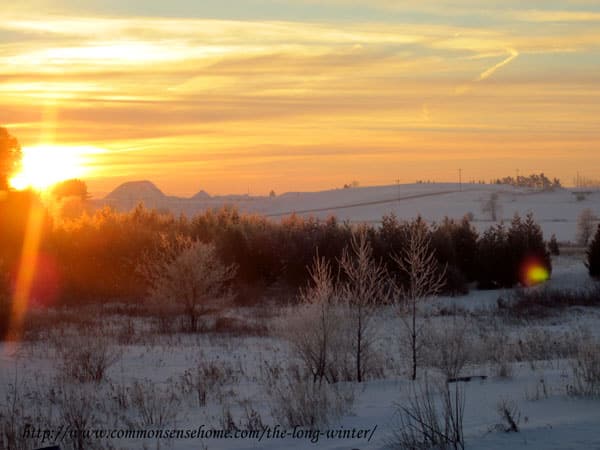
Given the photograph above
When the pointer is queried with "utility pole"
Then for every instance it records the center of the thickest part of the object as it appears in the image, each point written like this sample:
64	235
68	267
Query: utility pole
460	179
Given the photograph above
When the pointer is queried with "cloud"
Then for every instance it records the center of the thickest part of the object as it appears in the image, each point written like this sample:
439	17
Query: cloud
215	94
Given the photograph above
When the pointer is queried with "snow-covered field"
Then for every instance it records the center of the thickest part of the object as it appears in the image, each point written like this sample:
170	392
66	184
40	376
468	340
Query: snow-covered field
233	379
556	211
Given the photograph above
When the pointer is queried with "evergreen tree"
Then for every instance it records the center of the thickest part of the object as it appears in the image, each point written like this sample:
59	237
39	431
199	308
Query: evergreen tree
465	241
536	247
493	259
553	246
593	256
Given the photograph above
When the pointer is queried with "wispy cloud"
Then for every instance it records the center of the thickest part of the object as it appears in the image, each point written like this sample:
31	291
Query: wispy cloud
255	95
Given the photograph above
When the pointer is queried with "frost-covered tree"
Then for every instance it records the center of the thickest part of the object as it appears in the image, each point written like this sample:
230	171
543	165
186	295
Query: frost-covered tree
492	206
365	286
585	226
189	275
425	279
317	329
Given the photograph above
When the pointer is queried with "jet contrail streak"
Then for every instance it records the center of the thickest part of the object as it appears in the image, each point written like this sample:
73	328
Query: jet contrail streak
491	70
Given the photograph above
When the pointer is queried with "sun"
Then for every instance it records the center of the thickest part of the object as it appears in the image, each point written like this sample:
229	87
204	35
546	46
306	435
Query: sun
42	166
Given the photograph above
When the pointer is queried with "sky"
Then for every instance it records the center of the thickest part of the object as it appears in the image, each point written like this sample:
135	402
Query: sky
293	95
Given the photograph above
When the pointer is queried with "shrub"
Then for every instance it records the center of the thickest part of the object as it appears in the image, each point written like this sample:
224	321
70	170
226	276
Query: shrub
206	378
239	327
423	424
585	369
86	358
297	401
77	412
13	420
447	348
542	303
509	414
155	407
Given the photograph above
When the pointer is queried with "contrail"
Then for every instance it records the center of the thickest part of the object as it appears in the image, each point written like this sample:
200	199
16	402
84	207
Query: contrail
462	89
491	70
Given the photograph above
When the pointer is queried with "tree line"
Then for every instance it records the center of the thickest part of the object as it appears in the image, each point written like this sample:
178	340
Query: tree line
97	256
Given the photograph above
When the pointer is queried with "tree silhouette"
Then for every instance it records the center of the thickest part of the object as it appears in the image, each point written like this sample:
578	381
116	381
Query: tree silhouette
593	256
71	188
10	155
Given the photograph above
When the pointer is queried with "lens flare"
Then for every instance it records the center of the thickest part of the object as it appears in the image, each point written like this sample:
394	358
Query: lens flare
533	272
26	271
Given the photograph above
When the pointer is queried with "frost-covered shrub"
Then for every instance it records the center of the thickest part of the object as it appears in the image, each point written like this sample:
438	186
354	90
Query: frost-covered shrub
13	417
447	348
296	400
154	406
77	411
205	378
585	368
86	358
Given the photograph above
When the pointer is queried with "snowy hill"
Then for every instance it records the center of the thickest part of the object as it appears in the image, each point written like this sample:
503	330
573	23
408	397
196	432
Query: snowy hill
556	211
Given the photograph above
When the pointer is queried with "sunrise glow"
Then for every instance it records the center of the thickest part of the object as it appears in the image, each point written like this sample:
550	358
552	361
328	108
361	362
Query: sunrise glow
304	95
45	165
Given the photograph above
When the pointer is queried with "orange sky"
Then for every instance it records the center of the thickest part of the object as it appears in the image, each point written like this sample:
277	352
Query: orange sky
302	95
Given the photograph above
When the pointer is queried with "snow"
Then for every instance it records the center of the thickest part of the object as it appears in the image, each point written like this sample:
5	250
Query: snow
556	211
549	417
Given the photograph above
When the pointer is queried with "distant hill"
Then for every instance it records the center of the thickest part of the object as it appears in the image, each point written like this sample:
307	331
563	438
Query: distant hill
137	189
201	195
131	193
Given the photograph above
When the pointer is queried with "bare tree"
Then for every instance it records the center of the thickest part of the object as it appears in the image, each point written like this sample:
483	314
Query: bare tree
189	275
492	206
364	287
425	279
317	329
585	226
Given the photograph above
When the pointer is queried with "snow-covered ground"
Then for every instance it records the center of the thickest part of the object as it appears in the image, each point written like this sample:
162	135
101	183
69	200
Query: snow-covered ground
156	379
556	211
